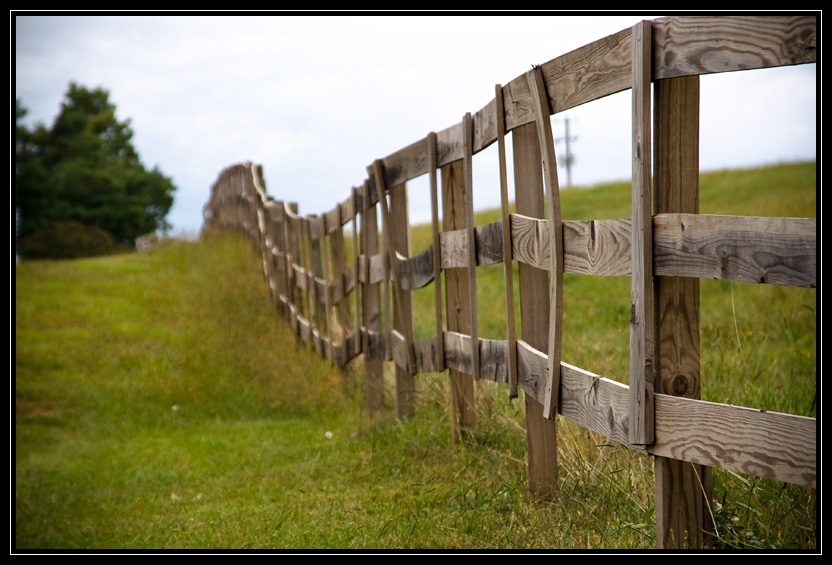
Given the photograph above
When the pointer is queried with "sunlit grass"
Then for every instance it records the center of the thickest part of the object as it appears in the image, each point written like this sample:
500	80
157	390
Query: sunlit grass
161	402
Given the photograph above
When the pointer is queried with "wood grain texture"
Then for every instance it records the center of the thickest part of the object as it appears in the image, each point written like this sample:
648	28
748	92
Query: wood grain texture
781	251
488	248
456	303
396	239
313	271
508	273
493	356
537	87
756	442
468	196
593	247
371	305
341	283
403	314
435	255
292	230
326	293
425	353
691	45
356	244
760	443
641	240
541	433
683	491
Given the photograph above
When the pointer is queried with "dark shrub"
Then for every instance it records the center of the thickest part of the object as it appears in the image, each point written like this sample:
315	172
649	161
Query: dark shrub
68	240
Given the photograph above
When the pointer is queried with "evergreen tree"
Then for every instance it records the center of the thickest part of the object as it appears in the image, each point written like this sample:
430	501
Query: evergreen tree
84	173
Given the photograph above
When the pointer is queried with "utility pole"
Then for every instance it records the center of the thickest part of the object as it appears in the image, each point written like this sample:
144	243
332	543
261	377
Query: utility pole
568	158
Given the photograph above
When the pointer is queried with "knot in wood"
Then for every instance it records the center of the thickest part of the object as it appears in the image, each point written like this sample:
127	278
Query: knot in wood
679	385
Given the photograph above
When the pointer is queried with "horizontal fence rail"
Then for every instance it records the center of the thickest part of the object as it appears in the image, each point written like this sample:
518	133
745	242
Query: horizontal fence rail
344	286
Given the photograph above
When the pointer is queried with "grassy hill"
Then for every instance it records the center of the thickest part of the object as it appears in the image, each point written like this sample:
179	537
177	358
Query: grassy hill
161	403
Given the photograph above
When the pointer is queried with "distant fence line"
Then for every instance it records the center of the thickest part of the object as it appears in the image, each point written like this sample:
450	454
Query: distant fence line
350	296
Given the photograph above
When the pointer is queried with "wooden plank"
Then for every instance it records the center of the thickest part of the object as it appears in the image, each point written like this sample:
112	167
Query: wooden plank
641	289
530	241
376	346
766	444
436	256
537	87
489	240
780	251
493	356
683	491
403	314
456	303
301	279
292	235
332	220
597	247
541	433
316	226
347	209
305	330
326	290
377	271
695	45
340	284
742	248
406	163
425	353
277	222
508	274
312	228
594	402
777	446
468	178
376	185
371	302
418	271
488	249
390	258
356	244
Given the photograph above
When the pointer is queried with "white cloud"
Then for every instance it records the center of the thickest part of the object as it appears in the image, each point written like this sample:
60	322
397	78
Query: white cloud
315	99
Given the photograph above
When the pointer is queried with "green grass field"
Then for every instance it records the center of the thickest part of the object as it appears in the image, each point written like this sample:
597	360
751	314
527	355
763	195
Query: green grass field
162	403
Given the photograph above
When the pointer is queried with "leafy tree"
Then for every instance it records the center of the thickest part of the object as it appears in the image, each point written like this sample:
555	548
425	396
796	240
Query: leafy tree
84	174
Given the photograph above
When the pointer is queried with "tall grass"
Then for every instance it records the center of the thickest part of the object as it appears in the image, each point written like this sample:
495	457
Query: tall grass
162	403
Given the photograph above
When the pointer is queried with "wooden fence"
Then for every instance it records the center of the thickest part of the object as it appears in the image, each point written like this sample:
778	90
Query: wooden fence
350	296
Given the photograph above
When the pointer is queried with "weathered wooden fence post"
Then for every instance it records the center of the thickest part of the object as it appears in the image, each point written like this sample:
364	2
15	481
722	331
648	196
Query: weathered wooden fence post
541	433
641	287
337	252
371	333
439	360
320	301
508	272
277	218
292	229
683	490
403	314
540	97
311	328
457	301
396	238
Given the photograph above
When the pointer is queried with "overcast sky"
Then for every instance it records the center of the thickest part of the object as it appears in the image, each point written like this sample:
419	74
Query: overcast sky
315	99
